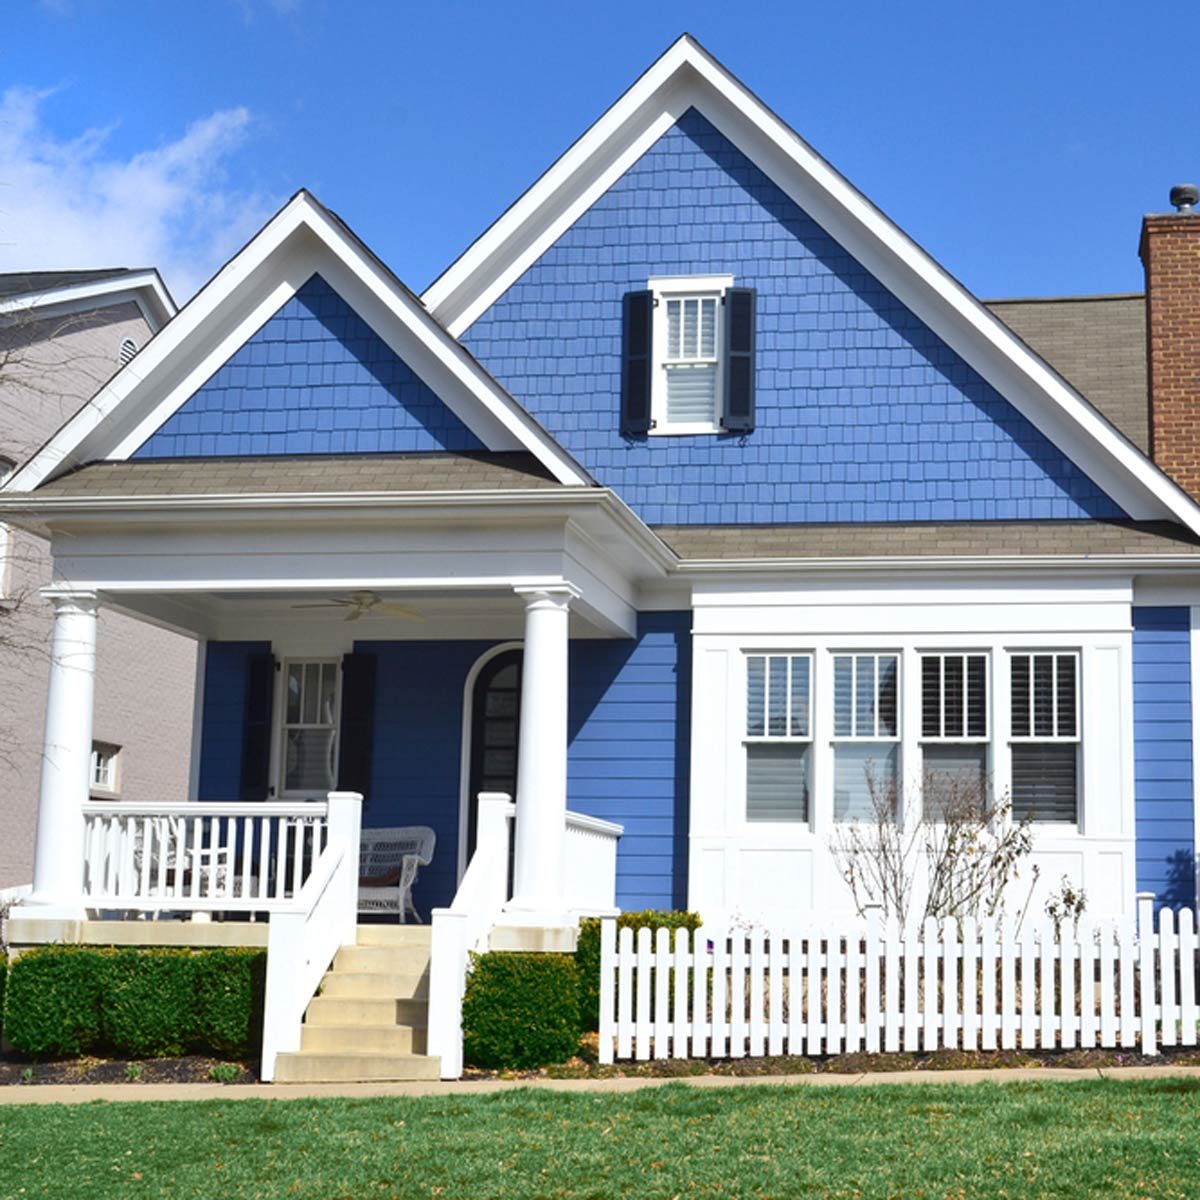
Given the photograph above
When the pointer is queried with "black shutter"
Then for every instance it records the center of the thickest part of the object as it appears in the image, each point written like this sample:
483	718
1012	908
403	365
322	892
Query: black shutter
739	360
256	728
636	361
356	736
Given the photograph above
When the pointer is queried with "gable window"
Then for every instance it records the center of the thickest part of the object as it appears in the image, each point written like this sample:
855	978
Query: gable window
954	731
104	776
1045	736
688	357
778	736
308	754
866	731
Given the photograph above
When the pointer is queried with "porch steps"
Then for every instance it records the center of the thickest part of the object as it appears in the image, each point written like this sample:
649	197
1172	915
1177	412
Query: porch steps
369	1021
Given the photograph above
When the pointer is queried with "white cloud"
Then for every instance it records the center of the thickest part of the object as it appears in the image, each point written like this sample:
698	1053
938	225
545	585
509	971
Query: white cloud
74	203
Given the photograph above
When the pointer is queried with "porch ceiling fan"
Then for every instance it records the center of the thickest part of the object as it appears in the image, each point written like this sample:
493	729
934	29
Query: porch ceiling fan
359	604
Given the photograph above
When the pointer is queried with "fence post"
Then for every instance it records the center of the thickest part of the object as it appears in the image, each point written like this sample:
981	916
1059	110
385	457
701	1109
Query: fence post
344	830
447	984
1147	998
608	973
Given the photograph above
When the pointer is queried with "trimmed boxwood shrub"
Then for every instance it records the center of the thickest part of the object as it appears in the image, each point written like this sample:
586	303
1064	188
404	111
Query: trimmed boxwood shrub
521	1010
139	1003
587	953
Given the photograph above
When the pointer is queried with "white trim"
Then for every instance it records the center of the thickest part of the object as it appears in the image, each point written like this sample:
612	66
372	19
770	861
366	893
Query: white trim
301	239
146	288
464	762
687	76
1194	611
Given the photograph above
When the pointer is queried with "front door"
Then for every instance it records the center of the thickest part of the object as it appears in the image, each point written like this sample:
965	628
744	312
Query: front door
495	730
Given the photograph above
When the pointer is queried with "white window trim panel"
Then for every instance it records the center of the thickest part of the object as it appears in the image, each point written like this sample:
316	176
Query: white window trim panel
664	288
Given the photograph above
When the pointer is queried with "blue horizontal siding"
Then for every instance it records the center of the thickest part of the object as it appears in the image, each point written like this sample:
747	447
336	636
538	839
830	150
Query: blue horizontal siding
223	715
1162	710
863	414
315	379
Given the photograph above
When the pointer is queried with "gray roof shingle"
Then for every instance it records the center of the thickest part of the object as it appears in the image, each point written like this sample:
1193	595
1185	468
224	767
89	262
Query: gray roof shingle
1097	344
430	472
930	540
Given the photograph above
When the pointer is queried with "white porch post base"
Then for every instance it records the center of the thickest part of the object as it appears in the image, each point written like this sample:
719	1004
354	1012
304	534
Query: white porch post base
66	762
538	894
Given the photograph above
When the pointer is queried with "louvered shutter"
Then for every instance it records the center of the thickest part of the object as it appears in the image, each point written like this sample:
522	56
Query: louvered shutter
357	730
636	361
739	360
255	781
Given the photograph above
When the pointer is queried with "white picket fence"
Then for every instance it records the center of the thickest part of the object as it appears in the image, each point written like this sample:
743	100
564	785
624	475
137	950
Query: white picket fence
866	986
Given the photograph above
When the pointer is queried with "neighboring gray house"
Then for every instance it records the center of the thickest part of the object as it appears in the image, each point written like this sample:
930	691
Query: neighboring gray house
63	334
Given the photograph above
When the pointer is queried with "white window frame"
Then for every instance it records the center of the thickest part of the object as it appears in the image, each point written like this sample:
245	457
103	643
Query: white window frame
685	287
766	738
1032	739
943	739
859	739
283	726
110	782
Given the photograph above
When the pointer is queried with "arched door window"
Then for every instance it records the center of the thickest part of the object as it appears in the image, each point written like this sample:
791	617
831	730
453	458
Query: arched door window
495	732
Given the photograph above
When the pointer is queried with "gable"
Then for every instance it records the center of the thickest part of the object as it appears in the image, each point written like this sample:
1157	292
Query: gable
314	379
864	414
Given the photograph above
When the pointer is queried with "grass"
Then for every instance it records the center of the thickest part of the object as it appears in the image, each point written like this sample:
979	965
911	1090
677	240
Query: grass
1028	1139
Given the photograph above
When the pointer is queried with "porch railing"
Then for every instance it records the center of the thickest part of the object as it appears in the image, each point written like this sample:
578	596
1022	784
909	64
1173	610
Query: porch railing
201	856
590	864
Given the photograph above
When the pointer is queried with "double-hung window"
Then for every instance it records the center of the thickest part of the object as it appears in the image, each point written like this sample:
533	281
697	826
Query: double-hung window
310	727
104	777
866	733
778	736
954	732
688	345
1045	736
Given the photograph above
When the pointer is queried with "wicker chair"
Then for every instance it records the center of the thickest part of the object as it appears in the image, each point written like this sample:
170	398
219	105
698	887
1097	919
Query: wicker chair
388	862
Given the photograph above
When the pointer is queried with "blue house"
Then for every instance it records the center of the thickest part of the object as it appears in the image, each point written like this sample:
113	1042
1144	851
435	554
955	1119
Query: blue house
693	509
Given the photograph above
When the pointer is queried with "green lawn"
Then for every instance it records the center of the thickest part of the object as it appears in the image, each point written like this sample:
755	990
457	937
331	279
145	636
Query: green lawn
1095	1138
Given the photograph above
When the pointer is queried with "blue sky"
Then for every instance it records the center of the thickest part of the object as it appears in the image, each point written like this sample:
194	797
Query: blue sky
1020	143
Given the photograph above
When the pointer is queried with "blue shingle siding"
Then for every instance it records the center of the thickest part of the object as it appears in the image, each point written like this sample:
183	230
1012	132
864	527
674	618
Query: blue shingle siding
862	413
1162	715
315	379
630	719
223	714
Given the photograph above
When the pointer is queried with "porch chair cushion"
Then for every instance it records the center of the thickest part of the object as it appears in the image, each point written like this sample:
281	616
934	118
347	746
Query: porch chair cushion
387	868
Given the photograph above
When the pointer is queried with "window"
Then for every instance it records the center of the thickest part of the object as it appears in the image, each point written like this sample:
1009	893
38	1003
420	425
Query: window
778	736
866	730
309	750
1045	736
128	349
954	731
104	766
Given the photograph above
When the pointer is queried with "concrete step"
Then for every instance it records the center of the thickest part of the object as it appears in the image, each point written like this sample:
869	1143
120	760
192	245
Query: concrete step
364	1039
371	1010
388	960
367	985
308	1066
394	935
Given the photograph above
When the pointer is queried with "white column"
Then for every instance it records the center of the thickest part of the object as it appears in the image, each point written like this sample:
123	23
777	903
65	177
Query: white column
66	759
542	757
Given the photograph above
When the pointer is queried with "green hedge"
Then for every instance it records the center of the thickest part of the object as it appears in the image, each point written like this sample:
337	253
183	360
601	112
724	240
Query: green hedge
152	1003
587	953
521	1010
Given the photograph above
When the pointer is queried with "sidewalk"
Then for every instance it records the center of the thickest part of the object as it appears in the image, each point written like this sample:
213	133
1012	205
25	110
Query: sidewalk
85	1093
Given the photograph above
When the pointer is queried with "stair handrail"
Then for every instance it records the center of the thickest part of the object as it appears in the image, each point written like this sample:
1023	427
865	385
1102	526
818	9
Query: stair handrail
465	926
303	938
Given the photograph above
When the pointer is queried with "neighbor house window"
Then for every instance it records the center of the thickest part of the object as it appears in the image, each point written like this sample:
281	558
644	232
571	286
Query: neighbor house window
866	731
778	736
1045	736
104	766
309	749
954	731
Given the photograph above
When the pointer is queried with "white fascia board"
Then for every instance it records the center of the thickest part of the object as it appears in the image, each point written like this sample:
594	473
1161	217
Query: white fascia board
685	77
1000	565
241	297
146	288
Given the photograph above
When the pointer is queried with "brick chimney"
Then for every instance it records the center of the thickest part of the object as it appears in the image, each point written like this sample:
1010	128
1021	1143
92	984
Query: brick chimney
1170	252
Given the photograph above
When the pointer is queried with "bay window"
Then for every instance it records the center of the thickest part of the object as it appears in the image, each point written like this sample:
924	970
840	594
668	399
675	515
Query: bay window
1045	736
778	736
866	732
954	732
